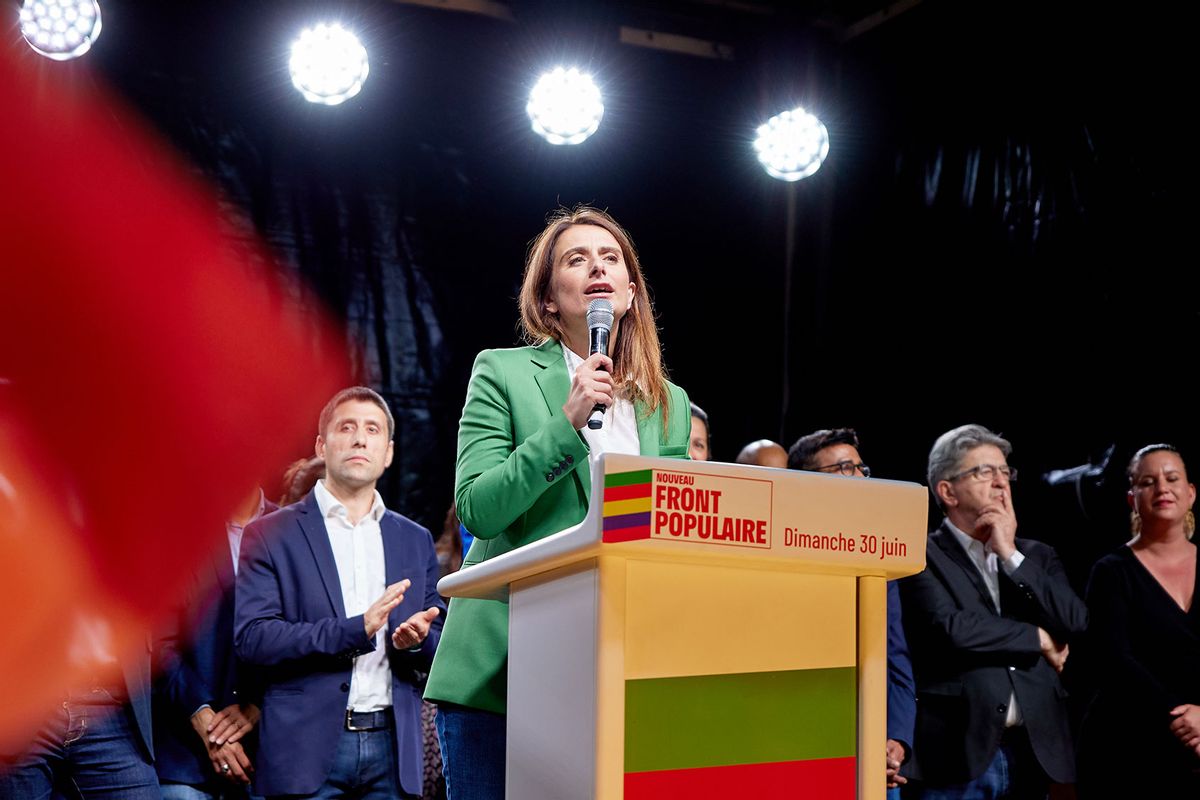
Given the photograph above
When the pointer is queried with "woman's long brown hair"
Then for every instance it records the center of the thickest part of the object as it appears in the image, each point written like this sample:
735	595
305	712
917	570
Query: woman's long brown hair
636	354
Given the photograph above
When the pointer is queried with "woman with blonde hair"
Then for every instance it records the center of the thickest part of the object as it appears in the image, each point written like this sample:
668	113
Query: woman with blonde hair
524	449
1141	734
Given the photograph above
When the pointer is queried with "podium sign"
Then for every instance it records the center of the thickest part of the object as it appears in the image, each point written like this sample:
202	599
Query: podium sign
708	630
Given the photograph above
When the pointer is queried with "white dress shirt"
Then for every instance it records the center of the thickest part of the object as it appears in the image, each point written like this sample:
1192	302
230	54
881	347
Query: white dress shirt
358	553
234	531
620	433
986	561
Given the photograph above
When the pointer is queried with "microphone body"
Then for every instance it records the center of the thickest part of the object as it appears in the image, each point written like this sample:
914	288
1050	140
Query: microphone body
600	321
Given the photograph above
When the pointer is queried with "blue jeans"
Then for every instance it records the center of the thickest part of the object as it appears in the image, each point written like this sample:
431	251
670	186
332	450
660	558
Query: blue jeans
1014	774
185	791
86	748
473	749
364	768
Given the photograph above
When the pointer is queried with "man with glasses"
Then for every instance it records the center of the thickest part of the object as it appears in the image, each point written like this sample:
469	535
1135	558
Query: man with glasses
989	621
835	452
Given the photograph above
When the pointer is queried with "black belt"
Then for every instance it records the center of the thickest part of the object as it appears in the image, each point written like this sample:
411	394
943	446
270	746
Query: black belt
368	720
1014	735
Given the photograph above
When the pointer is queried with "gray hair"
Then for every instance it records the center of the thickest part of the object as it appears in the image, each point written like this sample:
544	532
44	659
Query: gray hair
948	451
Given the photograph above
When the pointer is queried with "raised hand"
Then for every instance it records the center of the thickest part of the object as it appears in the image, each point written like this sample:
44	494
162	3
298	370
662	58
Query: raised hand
591	386
375	617
413	630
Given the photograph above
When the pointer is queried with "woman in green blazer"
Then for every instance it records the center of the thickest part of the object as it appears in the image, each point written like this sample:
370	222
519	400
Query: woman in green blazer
524	451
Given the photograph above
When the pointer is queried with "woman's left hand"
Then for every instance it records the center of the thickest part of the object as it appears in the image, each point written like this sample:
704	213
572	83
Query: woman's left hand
1186	725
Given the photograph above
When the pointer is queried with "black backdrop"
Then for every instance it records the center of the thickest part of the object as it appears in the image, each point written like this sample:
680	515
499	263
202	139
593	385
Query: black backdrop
1000	233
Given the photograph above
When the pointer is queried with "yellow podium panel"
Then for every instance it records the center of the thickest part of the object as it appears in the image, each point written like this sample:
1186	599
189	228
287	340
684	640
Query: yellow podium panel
695	619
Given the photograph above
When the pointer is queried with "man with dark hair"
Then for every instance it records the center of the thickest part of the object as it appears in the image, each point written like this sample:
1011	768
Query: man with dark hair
810	452
835	452
357	394
989	621
337	601
700	440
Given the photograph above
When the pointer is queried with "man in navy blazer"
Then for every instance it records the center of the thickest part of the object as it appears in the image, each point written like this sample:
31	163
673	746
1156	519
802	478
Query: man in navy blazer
337	602
835	452
206	703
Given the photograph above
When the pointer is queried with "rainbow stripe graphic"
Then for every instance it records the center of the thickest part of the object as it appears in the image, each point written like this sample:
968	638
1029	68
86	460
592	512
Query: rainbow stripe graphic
627	503
758	734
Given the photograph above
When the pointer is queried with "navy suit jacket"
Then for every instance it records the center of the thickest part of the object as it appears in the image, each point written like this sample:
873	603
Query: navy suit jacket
901	690
290	620
195	665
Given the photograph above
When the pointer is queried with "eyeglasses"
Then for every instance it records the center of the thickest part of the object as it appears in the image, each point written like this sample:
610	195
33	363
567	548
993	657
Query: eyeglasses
986	472
848	468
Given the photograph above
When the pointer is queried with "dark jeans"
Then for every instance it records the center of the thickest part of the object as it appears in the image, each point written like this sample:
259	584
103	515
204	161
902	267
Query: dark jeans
1014	774
473	749
364	768
88	748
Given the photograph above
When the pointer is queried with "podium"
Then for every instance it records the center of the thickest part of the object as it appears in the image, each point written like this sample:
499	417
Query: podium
708	630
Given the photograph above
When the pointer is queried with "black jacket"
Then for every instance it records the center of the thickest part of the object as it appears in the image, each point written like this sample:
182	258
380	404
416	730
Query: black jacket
968	660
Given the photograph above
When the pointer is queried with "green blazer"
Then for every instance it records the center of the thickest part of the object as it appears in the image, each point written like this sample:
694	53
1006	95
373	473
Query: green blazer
522	474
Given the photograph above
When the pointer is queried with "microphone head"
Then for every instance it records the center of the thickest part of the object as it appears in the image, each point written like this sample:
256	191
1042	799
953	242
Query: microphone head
600	314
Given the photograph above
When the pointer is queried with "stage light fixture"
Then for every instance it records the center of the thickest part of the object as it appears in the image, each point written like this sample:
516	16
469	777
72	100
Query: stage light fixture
792	145
565	106
60	29
328	64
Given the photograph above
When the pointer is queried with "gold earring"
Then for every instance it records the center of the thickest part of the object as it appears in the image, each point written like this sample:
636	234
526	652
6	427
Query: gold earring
1135	522
1189	523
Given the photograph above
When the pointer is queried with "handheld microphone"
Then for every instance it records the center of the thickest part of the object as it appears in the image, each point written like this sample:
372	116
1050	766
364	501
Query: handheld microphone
600	322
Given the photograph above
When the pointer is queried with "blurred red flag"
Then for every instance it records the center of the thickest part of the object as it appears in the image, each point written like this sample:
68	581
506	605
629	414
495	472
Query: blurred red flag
149	377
